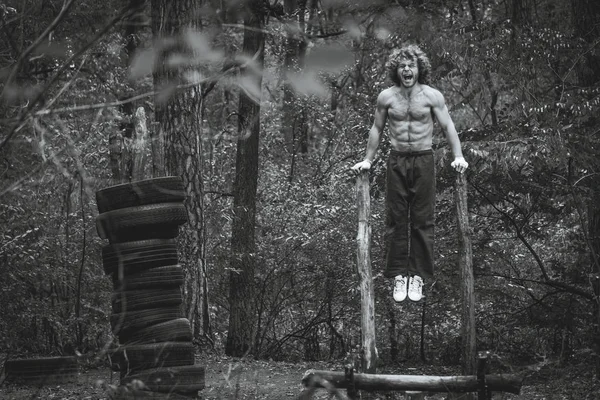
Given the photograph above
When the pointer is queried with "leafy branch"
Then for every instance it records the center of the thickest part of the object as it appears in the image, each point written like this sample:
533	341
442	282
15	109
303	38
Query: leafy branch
63	12
540	263
24	115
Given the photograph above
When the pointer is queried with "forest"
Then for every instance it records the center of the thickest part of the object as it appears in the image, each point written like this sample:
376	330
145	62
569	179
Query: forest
262	107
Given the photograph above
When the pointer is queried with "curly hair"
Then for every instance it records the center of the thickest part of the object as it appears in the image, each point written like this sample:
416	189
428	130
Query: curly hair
411	52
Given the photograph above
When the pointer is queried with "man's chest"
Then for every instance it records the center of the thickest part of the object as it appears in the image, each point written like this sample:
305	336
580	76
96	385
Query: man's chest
402	109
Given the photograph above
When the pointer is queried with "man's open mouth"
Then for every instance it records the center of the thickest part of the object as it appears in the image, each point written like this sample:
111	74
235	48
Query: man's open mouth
407	76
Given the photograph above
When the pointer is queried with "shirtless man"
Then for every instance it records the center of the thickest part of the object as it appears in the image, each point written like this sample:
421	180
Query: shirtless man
410	107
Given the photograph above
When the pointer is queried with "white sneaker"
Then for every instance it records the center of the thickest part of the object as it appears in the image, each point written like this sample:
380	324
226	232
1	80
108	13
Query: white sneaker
400	287
415	288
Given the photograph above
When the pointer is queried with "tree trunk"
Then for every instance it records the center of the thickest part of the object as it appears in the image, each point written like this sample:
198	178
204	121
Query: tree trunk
127	137
242	315
79	326
179	124
594	238
115	149
392	335
294	116
465	264
586	21
124	142
290	66
423	325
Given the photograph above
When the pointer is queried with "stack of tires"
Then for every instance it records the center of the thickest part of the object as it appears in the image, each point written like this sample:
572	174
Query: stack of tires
141	222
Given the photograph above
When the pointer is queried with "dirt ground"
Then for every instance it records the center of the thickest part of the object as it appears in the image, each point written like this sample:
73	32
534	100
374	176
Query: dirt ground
225	379
252	379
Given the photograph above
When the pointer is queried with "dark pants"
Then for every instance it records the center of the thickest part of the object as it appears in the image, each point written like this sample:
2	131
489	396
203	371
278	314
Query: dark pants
410	203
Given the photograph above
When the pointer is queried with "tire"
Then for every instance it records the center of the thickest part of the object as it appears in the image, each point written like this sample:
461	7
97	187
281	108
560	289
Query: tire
129	321
116	250
153	221
136	358
51	378
185	379
139	255
175	330
123	235
169	276
41	371
132	300
168	189
124	393
49	363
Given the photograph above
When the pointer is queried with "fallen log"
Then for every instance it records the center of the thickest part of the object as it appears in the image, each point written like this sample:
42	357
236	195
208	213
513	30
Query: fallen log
510	383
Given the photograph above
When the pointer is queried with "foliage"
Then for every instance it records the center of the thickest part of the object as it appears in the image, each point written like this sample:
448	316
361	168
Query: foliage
529	132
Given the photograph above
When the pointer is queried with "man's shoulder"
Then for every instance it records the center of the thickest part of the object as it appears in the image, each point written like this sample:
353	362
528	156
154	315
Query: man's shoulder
385	95
433	94
387	92
430	90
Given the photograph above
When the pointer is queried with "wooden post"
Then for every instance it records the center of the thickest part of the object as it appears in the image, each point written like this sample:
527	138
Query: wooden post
350	388
483	392
367	296
465	264
138	148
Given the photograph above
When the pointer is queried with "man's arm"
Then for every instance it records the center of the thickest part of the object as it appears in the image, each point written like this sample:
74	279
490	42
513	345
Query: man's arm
374	134
443	116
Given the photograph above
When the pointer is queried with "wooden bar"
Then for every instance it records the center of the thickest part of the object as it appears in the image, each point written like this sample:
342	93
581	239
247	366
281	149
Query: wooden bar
510	383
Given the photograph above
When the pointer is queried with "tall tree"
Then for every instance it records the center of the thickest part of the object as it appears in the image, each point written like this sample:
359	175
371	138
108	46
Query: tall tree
586	21
294	119
178	114
121	140
242	315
